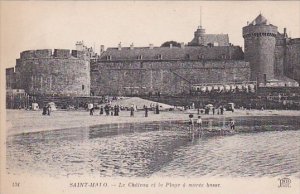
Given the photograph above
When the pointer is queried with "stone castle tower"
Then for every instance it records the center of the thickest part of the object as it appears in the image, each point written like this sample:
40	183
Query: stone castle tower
259	41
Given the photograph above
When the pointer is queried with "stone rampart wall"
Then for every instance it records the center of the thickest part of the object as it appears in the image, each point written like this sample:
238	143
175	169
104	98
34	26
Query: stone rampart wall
54	76
165	77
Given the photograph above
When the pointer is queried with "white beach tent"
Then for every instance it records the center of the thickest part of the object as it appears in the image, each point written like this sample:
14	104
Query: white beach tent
35	106
52	106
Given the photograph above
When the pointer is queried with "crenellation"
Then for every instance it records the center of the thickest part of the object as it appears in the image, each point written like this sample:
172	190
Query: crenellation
61	53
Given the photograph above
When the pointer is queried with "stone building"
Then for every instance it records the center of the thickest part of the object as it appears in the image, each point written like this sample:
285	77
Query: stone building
270	58
287	57
203	39
10	78
61	72
270	53
165	70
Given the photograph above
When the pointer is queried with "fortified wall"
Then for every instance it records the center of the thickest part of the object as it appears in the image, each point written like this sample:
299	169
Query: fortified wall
293	59
287	56
60	72
166	78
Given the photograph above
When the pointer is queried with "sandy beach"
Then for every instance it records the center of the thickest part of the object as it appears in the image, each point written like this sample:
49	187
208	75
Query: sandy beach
22	121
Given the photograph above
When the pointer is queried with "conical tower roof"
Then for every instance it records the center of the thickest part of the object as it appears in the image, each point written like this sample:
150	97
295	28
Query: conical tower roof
259	20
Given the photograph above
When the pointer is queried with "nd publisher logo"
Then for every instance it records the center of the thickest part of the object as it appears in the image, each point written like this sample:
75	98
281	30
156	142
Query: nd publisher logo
284	182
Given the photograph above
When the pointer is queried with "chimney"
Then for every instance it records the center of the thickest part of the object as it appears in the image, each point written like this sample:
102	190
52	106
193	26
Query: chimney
102	49
284	32
150	46
119	46
182	45
171	45
131	46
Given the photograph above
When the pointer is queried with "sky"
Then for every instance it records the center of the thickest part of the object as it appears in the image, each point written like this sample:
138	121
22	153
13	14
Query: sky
33	25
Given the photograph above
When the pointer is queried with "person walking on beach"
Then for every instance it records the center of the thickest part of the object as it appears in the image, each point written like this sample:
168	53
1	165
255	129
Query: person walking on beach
106	108
92	111
132	111
199	122
157	109
146	111
213	110
48	109
44	110
191	123
232	124
222	110
101	110
117	110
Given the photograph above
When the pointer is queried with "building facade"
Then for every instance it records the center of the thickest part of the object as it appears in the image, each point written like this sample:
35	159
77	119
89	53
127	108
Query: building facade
61	72
167	71
270	58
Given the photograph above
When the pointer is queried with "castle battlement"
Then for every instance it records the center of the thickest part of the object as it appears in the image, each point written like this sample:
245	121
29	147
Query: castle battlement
261	30
49	53
294	41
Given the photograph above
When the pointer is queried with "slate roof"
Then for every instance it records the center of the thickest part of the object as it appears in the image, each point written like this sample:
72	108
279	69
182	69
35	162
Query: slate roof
259	20
175	53
221	39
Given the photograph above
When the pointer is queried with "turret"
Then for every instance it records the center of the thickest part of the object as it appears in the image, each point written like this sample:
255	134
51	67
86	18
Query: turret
260	39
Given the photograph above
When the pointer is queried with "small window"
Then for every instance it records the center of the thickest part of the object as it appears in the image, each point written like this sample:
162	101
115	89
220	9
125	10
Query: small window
201	57
108	57
159	56
82	87
140	57
216	44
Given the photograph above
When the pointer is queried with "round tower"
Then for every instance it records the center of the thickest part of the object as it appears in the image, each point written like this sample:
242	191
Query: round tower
199	35
259	42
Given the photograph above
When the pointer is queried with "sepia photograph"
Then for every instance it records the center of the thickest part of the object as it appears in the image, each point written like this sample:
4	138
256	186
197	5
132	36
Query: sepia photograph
150	97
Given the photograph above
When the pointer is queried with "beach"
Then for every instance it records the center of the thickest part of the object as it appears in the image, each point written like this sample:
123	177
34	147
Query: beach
22	121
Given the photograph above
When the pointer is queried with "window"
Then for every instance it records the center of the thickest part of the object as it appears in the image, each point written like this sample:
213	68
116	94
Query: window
201	56
159	56
82	87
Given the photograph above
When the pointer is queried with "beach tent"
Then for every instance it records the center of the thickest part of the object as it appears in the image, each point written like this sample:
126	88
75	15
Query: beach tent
209	105
52	106
90	106
139	103
35	106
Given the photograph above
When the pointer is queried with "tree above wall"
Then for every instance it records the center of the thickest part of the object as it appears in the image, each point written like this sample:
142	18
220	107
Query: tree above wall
167	44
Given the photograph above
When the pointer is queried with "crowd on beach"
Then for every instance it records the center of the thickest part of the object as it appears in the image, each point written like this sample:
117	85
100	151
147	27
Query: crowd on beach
114	110
109	110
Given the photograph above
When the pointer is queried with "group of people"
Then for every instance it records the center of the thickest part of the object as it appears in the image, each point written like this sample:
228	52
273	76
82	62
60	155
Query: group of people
46	110
114	110
199	122
220	110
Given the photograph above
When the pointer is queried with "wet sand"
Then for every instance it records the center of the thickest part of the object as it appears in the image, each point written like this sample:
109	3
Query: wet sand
22	121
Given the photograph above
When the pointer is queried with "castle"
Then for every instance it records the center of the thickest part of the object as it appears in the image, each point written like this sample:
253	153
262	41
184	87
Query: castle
209	61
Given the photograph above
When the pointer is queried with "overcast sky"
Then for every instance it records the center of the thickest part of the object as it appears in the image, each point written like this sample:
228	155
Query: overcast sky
40	25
